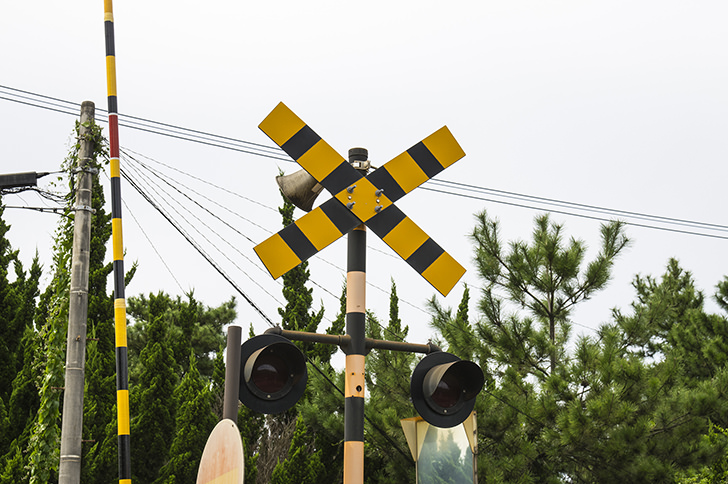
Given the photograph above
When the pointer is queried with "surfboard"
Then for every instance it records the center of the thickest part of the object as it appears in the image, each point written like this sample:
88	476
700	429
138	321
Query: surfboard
222	460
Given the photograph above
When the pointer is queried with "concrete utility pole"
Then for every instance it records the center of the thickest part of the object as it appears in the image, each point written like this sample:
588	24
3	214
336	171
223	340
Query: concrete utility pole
69	471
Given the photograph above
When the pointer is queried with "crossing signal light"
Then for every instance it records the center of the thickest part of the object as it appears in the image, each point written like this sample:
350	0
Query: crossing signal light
443	388
273	374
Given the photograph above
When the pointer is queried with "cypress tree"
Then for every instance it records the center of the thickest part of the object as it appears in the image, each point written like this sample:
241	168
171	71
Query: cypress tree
153	399
188	323
387	380
303	466
51	320
296	316
193	423
9	334
17	300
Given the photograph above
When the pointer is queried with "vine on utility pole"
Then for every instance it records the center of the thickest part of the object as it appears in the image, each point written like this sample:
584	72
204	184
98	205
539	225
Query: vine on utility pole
69	471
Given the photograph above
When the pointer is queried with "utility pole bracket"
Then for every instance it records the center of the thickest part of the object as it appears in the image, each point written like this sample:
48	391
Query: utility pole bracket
85	168
85	208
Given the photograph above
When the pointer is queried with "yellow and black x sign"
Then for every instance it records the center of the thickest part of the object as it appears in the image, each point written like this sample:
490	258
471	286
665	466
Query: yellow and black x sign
360	199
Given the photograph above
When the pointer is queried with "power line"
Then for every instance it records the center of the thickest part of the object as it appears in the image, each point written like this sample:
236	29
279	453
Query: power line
70	108
194	226
586	216
198	248
154	248
580	206
141	124
178	132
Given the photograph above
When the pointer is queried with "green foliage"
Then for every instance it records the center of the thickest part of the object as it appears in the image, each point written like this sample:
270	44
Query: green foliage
188	323
14	468
176	339
251	425
18	395
17	300
387	381
23	404
51	319
296	315
717	473
153	423
545	278
633	404
303	465
193	423
102	459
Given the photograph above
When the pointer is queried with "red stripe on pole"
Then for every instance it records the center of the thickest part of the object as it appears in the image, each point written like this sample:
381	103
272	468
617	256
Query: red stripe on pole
113	135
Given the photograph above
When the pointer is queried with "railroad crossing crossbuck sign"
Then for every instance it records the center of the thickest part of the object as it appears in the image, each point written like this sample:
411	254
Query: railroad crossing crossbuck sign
360	199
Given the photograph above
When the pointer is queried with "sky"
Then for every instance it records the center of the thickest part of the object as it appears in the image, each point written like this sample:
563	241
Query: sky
620	105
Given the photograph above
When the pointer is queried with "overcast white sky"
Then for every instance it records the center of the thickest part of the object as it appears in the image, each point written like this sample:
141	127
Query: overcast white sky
618	104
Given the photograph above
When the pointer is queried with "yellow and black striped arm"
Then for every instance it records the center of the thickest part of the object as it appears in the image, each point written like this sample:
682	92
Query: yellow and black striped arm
315	155
358	199
405	172
421	252
303	238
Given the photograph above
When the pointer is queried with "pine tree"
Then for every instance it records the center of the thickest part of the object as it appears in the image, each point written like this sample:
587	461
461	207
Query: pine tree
632	404
524	354
544	277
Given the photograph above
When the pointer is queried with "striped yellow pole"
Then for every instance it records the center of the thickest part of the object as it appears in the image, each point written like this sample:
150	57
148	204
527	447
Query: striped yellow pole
122	377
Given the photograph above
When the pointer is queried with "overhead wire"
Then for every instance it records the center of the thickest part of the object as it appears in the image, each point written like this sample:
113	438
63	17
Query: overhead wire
145	125
580	215
197	248
224	239
564	203
194	226
257	149
154	247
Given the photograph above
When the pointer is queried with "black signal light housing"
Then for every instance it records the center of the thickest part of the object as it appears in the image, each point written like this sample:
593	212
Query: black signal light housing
273	374
443	388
